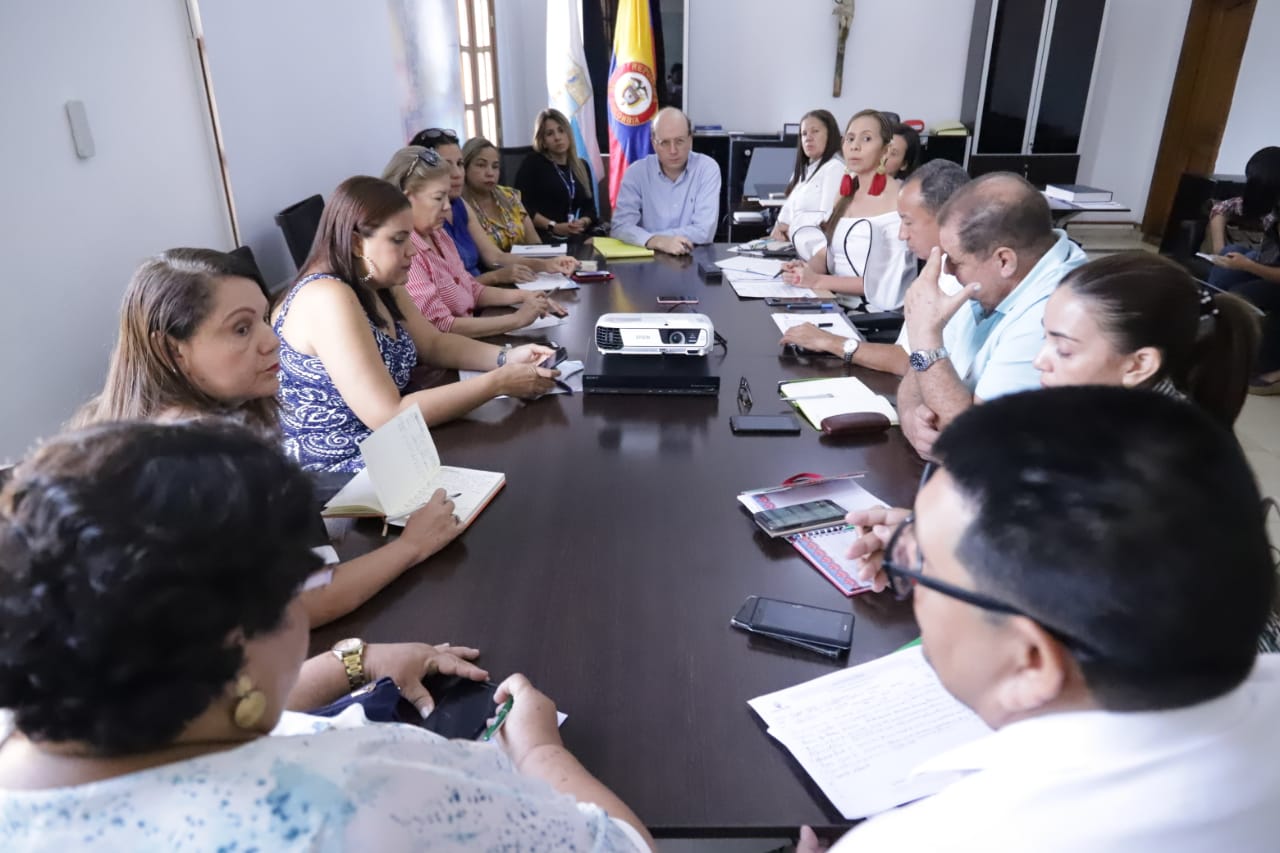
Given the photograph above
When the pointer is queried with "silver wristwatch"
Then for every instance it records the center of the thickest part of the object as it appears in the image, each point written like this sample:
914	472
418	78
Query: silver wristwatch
923	359
502	355
850	347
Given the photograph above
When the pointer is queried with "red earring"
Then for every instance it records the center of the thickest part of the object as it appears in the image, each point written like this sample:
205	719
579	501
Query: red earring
847	185
878	183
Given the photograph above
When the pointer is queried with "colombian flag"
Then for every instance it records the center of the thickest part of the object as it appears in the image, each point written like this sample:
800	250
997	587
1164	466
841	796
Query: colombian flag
633	90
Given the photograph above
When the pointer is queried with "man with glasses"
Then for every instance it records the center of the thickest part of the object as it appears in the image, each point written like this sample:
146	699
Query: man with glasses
1090	571
670	200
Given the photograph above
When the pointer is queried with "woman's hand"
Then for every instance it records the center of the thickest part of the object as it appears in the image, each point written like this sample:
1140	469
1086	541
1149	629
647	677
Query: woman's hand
564	265
1235	261
529	354
515	274
527	311
875	528
799	274
577	226
408	663
561	229
545	302
781	231
525	380
431	527
531	723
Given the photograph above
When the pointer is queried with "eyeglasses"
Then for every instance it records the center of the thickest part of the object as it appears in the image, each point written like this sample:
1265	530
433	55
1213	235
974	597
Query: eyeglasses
744	396
434	135
903	563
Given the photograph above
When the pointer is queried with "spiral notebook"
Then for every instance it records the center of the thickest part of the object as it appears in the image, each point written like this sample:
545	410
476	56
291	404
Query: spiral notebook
825	548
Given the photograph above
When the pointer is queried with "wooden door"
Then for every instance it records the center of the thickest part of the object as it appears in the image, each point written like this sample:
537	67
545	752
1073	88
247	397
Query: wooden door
1201	100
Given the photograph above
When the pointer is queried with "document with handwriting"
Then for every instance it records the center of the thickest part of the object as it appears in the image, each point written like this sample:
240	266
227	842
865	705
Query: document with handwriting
861	732
750	286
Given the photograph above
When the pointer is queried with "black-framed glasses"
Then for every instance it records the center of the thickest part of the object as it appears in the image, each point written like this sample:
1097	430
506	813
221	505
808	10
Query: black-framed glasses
744	396
433	136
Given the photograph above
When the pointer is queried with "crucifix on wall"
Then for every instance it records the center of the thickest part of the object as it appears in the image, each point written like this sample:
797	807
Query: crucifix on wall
844	15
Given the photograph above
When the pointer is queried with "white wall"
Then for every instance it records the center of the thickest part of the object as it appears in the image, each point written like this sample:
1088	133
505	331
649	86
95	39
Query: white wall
1254	122
522	66
308	95
72	231
770	61
1137	61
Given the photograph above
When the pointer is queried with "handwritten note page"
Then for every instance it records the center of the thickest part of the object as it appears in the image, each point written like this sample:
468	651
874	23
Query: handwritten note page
749	286
859	733
403	463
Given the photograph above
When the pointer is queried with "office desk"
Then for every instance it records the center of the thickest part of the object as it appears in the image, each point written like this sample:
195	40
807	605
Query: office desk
608	568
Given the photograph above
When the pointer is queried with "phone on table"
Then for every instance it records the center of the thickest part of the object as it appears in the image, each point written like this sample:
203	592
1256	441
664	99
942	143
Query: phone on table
827	632
556	357
677	300
463	707
588	276
798	518
784	424
775	301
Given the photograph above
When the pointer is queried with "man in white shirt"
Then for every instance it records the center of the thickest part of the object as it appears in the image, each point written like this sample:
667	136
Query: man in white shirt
669	201
999	242
1091	573
919	201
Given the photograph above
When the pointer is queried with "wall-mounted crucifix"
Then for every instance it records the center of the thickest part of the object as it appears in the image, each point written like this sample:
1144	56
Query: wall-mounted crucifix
844	14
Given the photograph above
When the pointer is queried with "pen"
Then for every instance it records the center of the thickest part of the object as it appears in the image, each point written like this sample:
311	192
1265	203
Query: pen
825	325
498	720
455	495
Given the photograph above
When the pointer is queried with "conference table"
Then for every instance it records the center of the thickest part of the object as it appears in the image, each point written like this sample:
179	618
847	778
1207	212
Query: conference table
609	566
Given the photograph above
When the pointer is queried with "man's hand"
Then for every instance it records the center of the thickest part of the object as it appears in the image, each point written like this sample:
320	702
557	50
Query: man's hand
875	528
810	337
927	429
1235	261
670	243
928	308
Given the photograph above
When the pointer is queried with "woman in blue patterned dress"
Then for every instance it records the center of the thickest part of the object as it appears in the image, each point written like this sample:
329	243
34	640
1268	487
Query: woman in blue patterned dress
153	640
350	335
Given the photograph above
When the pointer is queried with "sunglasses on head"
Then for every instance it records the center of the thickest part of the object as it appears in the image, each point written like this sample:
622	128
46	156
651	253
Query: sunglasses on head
434	135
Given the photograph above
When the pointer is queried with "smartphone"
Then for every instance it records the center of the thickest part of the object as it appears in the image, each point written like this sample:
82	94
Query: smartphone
555	358
808	626
587	276
463	707
794	300
799	517
709	271
784	424
677	300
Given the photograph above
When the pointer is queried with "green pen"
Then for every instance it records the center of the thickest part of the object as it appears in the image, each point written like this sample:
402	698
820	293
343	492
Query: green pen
498	720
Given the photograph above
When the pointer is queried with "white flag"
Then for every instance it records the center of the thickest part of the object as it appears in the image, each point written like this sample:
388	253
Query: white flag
569	84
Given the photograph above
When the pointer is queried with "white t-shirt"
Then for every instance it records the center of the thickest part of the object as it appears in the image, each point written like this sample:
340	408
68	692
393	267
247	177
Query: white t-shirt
1203	778
869	248
811	200
316	784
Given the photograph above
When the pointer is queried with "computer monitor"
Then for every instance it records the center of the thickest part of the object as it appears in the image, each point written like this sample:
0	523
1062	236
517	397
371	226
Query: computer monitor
768	170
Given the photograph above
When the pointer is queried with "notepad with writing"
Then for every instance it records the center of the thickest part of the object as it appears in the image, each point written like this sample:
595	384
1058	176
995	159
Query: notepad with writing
402	471
826	548
862	733
818	399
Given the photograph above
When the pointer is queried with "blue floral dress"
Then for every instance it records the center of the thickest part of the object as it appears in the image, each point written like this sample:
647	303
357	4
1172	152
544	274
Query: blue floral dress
320	430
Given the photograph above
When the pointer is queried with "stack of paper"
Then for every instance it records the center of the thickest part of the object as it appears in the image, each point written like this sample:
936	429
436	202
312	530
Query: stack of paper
539	250
547	322
834	322
751	286
615	250
860	732
818	399
549	281
766	267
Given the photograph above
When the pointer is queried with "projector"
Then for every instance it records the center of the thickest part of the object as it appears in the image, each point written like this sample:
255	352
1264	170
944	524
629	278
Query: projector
654	334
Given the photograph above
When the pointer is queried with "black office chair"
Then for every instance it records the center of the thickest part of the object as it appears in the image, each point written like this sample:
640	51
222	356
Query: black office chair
511	158
300	222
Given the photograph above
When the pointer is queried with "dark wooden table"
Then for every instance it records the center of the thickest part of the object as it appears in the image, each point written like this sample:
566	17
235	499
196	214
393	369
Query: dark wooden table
608	568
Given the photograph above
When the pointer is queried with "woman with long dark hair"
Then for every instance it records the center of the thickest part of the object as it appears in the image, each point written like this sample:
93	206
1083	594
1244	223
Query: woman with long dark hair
815	177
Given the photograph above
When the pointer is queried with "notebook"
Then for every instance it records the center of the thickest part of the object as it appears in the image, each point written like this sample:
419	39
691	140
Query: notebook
402	471
615	250
818	399
825	548
834	322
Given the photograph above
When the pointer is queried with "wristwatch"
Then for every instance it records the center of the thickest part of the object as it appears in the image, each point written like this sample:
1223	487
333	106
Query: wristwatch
502	355
351	652
850	347
923	359
551	225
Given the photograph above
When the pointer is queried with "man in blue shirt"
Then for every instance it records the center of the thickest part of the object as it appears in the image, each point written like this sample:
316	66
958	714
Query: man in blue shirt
669	201
999	242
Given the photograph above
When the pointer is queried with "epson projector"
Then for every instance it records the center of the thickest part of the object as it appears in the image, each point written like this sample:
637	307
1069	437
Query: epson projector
654	334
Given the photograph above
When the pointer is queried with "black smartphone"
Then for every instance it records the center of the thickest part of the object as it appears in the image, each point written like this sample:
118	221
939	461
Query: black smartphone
806	625
677	300
794	300
556	357
784	424
798	518
463	707
709	270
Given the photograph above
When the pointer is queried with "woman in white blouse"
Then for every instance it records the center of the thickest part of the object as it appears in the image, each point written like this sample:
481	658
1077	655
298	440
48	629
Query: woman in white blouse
811	190
856	252
153	638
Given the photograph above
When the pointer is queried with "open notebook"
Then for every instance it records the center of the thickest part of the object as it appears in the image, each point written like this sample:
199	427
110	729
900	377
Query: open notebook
402	471
826	548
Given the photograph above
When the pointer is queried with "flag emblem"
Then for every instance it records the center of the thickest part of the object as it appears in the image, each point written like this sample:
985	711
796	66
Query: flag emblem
631	96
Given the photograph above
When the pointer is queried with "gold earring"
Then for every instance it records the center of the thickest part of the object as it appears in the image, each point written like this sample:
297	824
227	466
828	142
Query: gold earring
251	706
880	168
364	279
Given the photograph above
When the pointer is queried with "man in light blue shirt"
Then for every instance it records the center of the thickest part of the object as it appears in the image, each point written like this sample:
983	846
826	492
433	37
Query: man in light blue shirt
669	201
999	242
